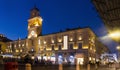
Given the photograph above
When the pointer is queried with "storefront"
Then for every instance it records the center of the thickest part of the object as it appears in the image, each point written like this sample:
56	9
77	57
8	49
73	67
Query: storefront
79	58
66	58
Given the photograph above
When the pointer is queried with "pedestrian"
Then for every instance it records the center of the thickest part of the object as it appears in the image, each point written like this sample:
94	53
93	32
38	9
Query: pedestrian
1	59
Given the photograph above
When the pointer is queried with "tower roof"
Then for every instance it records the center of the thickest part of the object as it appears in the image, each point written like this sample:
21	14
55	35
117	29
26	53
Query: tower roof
35	8
34	12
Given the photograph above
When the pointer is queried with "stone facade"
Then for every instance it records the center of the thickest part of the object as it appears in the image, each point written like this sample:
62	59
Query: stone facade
62	47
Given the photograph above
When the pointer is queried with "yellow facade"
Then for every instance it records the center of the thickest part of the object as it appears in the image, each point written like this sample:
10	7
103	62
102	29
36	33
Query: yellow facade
3	47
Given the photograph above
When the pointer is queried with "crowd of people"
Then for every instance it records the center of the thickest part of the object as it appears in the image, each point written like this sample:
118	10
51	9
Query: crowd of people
25	60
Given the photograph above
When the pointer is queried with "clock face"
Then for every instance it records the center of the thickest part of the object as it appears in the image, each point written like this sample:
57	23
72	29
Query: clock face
32	32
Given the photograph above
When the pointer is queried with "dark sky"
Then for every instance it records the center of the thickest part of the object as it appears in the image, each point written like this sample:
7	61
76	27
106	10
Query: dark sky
57	15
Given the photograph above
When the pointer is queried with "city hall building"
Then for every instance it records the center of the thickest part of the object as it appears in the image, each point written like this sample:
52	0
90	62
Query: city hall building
62	47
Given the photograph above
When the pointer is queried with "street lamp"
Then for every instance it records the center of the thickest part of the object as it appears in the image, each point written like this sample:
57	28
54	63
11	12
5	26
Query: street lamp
115	35
118	48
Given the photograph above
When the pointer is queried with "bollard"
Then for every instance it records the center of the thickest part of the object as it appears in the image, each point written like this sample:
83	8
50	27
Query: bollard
96	67
88	67
28	66
60	67
77	67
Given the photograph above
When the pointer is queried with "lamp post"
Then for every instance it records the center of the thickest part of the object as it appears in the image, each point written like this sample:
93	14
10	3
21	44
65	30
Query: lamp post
115	35
118	48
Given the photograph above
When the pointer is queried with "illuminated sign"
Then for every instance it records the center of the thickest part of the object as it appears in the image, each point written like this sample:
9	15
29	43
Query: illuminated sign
65	42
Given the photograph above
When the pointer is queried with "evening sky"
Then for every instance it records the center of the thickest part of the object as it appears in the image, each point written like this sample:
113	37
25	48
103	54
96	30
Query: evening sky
56	14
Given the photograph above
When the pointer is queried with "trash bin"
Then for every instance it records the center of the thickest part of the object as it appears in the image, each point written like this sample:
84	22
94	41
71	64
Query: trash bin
11	66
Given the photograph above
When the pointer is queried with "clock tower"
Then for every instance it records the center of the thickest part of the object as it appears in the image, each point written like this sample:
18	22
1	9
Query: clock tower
34	23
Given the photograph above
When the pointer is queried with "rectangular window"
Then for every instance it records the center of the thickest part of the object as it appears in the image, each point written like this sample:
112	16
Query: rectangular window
60	47
0	47
53	47
80	45
39	41
71	47
44	49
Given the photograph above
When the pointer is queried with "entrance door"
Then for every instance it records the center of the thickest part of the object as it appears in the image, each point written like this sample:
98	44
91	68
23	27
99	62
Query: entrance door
80	61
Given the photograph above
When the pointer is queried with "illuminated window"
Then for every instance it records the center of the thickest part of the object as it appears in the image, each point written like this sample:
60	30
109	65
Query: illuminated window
10	50
94	50
10	46
90	47
52	41
19	45
6	50
71	39
80	38
44	42
32	57
39	41
65	42
27	43
17	50
59	40
22	44
32	49
90	58
21	50
15	46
